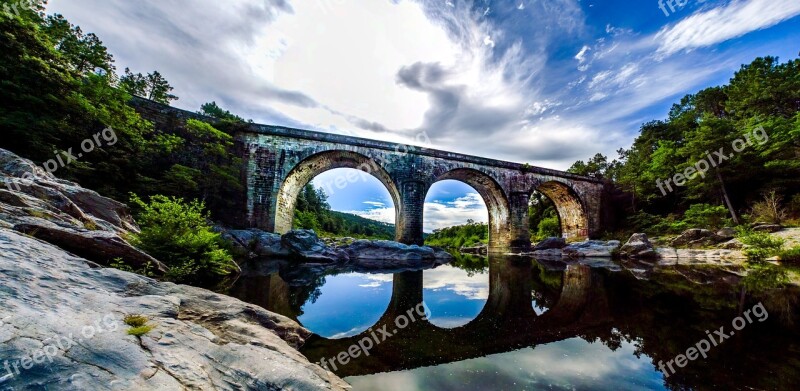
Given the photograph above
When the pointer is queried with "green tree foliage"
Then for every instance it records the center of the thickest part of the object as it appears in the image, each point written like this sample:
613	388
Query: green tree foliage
764	94
152	86
178	234
467	235
543	218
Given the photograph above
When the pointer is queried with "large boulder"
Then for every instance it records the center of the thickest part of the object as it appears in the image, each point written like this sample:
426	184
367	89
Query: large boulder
256	243
101	247
481	249
63	307
388	254
638	246
695	238
550	243
769	228
305	244
592	249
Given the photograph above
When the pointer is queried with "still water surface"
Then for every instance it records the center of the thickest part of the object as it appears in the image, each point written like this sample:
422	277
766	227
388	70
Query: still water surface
522	324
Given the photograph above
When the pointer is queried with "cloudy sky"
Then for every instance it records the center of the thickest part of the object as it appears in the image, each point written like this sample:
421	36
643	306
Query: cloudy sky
545	82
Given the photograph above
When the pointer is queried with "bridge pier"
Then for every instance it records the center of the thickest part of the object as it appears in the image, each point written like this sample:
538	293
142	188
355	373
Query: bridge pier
409	228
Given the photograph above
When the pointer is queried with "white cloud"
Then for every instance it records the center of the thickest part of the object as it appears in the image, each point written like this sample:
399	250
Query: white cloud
437	214
720	24
458	281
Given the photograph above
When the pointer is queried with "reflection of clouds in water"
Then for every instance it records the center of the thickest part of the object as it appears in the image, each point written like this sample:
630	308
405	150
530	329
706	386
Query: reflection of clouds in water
456	280
375	280
570	364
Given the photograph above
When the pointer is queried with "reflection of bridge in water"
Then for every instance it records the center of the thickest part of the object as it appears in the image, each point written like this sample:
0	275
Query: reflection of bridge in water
662	315
507	322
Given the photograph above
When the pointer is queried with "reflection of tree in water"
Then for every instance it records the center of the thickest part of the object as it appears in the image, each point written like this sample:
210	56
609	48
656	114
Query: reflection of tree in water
472	264
546	285
673	311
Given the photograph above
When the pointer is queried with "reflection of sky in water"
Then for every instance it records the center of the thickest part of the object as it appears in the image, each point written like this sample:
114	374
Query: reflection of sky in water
572	364
452	296
351	303
348	305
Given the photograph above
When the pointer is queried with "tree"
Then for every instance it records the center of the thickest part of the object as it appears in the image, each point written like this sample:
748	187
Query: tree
152	86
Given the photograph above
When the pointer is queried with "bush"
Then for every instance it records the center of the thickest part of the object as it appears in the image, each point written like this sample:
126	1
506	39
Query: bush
707	216
770	209
178	234
761	245
790	255
549	227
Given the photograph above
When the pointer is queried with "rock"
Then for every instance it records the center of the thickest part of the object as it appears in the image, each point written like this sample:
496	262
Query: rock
200	340
768	228
692	236
550	243
101	247
257	243
638	246
592	248
551	253
726	234
33	188
306	245
482	249
703	256
733	244
388	254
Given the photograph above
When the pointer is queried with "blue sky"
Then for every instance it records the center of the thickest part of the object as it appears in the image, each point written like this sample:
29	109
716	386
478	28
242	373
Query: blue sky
544	82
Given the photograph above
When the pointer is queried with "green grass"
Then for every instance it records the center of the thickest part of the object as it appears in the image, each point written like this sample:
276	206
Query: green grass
140	331
135	320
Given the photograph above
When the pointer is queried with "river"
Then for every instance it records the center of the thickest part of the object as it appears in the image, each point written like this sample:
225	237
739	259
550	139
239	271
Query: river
524	324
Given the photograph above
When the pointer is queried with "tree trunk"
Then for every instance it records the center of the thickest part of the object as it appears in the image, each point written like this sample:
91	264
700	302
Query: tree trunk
727	199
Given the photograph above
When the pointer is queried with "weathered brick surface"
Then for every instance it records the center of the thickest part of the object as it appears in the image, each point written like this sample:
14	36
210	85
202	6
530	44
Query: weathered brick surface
280	161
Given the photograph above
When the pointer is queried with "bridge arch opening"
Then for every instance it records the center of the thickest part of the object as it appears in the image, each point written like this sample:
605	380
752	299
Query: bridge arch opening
496	203
360	169
572	214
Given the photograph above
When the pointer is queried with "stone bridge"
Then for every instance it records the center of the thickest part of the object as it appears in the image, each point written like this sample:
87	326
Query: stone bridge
279	162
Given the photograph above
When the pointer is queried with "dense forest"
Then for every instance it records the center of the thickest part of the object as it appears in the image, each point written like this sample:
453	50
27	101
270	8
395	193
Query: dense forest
728	154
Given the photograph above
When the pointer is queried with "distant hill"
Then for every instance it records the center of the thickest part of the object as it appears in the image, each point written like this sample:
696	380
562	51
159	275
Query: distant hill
357	226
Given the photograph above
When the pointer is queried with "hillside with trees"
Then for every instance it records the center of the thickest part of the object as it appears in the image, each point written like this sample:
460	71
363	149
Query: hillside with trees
314	212
746	132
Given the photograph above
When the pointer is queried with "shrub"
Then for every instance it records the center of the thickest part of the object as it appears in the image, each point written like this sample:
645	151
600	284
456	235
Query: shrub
790	255
770	209
761	245
549	227
707	216
178	234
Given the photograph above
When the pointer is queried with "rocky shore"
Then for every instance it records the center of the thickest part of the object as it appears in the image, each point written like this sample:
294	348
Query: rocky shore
62	319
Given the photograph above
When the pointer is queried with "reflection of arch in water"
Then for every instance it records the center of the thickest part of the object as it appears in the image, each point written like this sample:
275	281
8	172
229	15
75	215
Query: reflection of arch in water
508	320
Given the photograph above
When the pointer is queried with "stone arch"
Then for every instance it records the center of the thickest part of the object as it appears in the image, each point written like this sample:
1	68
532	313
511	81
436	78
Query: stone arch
500	234
571	210
316	164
